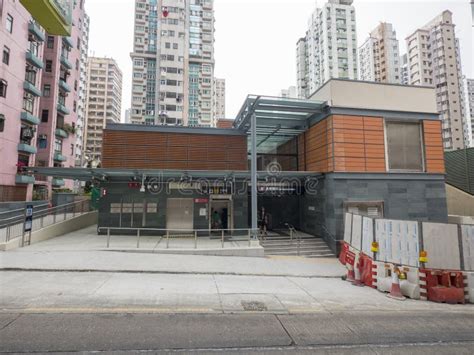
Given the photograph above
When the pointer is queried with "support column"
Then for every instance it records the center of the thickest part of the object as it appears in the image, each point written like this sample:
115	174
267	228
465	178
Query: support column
253	173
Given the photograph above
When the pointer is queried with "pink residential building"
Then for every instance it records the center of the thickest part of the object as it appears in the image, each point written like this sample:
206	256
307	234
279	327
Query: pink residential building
39	110
21	46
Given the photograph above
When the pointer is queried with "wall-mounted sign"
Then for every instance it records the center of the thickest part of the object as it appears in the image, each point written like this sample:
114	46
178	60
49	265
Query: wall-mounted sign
29	218
201	200
218	189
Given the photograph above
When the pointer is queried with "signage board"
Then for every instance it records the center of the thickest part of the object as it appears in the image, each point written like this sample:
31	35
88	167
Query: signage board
28	218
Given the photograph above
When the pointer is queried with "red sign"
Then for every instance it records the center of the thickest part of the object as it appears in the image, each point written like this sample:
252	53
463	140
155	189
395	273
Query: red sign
350	258
201	200
134	185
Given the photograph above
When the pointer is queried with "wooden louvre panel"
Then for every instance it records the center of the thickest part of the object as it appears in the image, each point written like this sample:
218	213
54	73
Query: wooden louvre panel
180	151
434	150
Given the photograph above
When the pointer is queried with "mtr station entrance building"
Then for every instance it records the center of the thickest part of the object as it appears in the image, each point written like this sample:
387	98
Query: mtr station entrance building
375	149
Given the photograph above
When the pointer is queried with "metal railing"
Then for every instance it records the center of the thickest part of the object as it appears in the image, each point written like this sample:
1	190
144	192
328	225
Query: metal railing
11	228
243	234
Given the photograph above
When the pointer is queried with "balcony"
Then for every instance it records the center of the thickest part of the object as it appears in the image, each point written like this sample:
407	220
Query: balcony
59	157
33	90
63	109
34	29
29	118
34	60
61	133
24	179
57	182
64	86
68	42
26	148
66	63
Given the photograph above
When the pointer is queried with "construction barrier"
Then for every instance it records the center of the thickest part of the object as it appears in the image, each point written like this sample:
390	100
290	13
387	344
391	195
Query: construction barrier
469	287
433	261
442	286
467	240
441	243
409	279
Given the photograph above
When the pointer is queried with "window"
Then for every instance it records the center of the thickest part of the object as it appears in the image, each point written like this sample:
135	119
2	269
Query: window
2	122
3	88
404	146
47	90
42	142
9	23
49	66
28	102
58	145
50	42
44	116
6	55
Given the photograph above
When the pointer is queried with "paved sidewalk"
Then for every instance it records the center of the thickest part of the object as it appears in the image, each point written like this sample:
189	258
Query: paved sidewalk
85	251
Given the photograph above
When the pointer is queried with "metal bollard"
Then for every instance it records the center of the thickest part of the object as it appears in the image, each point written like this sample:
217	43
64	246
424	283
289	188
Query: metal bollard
250	237
138	238
222	238
108	237
195	240
167	239
291	234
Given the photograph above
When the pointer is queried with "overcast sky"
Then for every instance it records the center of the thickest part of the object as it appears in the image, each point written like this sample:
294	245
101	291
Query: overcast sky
255	39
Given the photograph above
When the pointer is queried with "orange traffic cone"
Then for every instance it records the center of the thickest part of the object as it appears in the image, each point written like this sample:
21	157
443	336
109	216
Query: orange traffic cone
357	281
395	291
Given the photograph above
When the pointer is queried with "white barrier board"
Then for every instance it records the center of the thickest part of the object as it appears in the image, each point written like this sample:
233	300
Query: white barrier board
356	240
441	243
348	228
398	241
367	235
467	232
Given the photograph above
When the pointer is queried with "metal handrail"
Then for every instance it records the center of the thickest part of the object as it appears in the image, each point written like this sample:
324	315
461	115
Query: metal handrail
22	209
38	214
168	232
13	227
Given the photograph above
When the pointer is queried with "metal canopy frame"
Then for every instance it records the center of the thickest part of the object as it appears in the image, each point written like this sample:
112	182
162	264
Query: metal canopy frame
87	174
278	120
270	122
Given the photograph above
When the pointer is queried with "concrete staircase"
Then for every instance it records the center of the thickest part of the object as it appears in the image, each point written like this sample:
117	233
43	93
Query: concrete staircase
302	244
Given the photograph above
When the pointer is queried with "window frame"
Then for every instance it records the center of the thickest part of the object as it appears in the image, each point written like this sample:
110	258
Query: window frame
422	144
9	23
6	55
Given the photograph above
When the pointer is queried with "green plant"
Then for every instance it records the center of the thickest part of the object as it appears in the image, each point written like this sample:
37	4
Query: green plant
69	128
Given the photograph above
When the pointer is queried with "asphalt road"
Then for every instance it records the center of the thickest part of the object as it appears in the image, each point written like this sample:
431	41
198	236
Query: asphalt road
253	332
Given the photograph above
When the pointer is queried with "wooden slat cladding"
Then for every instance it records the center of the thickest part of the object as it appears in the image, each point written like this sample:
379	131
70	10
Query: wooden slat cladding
359	144
343	144
434	151
315	148
161	150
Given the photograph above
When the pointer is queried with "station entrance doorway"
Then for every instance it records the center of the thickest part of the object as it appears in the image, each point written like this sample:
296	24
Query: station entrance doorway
220	212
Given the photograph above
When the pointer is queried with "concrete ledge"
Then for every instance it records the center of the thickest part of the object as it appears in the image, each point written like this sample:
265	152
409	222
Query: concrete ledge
55	230
246	252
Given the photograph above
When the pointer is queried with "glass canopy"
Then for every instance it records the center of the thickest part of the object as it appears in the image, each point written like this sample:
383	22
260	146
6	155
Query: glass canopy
278	119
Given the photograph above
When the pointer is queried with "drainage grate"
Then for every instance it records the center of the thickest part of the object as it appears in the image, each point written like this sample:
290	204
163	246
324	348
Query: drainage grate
253	306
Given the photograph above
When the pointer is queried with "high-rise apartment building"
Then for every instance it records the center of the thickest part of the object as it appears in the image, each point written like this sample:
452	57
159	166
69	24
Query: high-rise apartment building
470	110
173	62
39	98
21	44
434	60
218	101
302	71
329	49
59	105
290	93
81	103
103	103
379	56
404	72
